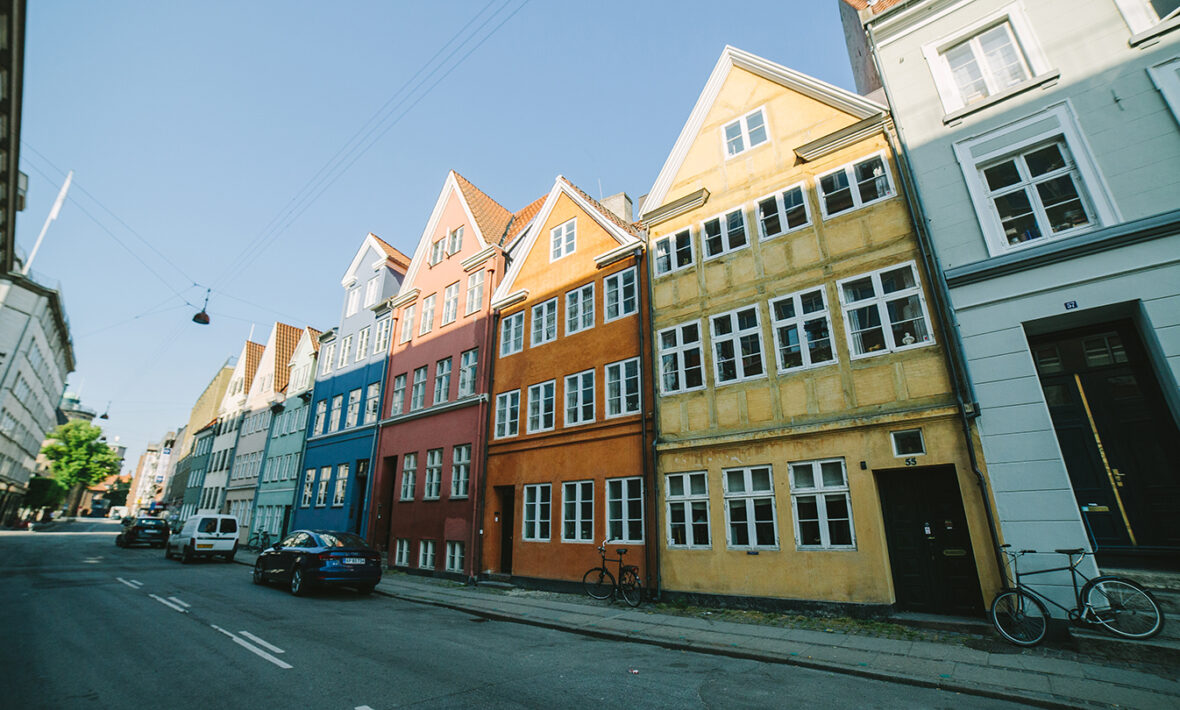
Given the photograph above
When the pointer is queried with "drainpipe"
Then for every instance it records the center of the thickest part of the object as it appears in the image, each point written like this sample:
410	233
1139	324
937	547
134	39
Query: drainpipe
485	425
371	474
944	311
649	470
649	450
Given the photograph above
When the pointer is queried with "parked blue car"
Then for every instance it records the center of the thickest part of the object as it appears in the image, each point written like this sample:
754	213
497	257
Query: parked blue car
310	558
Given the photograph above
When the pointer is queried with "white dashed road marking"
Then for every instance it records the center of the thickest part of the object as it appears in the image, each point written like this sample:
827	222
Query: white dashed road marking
252	648
363	707
270	647
168	604
184	604
129	584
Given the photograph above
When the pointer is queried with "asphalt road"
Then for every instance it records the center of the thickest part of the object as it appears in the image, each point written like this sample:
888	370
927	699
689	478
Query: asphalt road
84	624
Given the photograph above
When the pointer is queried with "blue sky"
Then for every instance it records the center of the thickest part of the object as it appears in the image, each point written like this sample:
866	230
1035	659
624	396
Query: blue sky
198	131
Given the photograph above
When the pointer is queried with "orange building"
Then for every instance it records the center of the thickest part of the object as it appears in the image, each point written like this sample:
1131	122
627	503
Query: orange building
567	464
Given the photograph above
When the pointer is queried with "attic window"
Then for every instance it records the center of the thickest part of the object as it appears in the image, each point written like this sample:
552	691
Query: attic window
455	240
436	251
563	240
744	133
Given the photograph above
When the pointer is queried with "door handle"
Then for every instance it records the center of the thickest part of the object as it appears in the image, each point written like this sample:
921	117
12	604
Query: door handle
954	552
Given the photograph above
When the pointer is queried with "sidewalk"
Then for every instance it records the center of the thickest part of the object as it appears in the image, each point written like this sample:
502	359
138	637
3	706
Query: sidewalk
1041	677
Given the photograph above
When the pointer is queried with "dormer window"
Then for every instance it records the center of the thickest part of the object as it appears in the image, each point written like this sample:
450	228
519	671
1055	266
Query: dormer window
455	240
744	133
371	291
563	240
436	251
354	302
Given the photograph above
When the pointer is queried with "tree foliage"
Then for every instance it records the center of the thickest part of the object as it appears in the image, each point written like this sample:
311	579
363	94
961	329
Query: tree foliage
77	456
44	493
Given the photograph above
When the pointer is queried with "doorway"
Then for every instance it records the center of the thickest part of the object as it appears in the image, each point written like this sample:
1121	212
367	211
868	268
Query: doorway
1119	440
506	500
384	501
930	551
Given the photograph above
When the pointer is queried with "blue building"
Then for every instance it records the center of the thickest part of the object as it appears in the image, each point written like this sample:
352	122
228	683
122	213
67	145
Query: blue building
342	430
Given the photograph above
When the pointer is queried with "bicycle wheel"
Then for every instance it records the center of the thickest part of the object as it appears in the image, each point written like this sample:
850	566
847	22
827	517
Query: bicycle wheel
1020	617
629	587
1123	607
599	583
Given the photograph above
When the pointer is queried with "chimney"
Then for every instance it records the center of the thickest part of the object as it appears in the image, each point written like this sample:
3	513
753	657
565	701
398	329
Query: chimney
620	205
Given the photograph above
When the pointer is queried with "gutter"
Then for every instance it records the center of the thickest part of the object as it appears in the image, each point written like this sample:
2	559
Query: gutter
649	453
481	506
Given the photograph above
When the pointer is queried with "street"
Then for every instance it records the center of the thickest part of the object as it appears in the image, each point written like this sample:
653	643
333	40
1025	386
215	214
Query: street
90	625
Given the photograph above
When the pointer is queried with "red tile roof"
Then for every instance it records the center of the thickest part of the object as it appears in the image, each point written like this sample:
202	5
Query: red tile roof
286	338
315	338
392	254
878	7
253	357
521	219
490	216
626	227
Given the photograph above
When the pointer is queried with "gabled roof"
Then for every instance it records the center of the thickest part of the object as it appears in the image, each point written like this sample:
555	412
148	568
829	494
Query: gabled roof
315	338
490	216
521	220
834	96
394	259
286	338
253	357
878	7
622	232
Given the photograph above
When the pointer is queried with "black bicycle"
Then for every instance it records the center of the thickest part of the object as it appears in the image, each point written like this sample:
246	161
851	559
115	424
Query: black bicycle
259	541
1119	605
601	584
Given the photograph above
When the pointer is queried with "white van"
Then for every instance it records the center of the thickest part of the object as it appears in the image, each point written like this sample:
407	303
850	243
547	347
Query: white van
204	535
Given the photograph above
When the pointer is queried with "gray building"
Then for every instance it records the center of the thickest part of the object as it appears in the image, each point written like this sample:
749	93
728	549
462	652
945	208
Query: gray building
1043	141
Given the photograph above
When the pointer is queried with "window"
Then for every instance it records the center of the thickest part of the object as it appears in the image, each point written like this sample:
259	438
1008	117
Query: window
749	507
442	380
907	443
450	303
884	311
507	414
341	485
354	408
334	418
460	470
579	309
474	292
362	344
673	252
1036	193
372	402
371	291
854	185
577	511
724	233
688	509
426	554
512	334
409	473
680	359
541	406
436	251
455	240
345	351
397	399
802	330
407	324
737	345
536	512
321	495
427	320
744	133
454	556
622	388
823	509
321	411
544	323
381	340
326	358
986	64
579	398
402	554
468	366
354	302
308	486
562	240
785	211
620	297
433	479
624	509
418	390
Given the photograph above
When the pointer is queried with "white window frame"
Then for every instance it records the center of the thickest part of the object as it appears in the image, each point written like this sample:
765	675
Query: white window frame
407	330
335	412
397	399
455	556
624	520
723	219
1166	77
897	454
474	292
362	344
579	307
507	414
1093	187
354	301
409	475
321	494
678	351
512	334
880	300
1141	16
381	339
372	402
669	247
455	240
432	475
460	470
799	322
618	388
685	501
748	495
820	492
426	558
308	488
541	394
541	317
442	380
402	552
468	372
613	290
438	249
576	400
326	356
743	124
418	389
563	239
341	486
735	337
849	170
537	512
371	290
345	351
353	413
450	303
426	321
781	212
578	495
321	417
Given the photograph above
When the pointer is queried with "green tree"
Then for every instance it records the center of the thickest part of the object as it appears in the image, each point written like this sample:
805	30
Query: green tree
78	458
44	492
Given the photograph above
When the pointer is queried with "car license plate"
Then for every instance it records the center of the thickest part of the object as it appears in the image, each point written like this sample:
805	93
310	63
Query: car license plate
204	547
354	560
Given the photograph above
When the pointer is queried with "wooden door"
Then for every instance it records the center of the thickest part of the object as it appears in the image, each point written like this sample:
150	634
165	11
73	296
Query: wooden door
506	499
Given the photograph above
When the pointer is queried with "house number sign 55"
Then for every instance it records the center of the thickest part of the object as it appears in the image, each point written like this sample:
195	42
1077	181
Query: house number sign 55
911	461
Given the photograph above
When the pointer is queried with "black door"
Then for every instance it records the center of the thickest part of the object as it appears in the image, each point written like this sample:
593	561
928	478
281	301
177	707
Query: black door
1119	440
929	545
506	499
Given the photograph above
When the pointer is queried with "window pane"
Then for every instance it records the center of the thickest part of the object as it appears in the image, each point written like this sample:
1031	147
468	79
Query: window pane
735	481
739	533
733	138
867	334
966	72
697	483
871	180
760	479
768	216
908	322
1045	160
837	195
675	485
789	351
832	473
1002	175
1002	56
1017	218
764	521
859	289
897	279
802	476
819	341
756	128
1062	204
794	208
784	308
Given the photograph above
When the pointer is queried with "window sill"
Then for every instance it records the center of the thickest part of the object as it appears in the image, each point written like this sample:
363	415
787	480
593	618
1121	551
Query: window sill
856	208
1046	79
1141	39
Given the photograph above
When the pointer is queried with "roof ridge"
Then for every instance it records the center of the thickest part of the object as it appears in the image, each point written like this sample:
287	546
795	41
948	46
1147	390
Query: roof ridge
491	217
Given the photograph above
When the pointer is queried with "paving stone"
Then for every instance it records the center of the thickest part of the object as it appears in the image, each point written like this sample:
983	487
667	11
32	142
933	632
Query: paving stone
1001	677
1123	696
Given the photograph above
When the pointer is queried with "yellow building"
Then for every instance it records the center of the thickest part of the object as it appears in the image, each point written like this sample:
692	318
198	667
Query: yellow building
811	446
